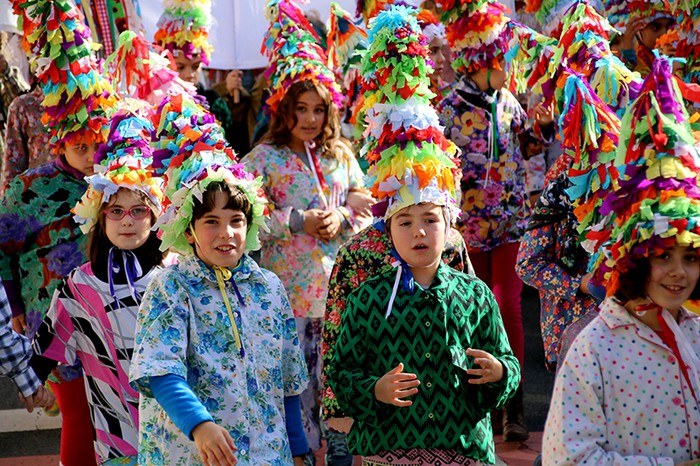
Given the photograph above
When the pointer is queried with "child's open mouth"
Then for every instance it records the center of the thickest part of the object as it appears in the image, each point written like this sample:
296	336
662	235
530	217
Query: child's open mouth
675	289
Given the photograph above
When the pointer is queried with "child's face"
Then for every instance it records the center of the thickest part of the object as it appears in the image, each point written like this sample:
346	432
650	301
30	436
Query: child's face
437	56
187	68
498	77
310	113
219	235
80	156
418	233
648	35
673	276
133	228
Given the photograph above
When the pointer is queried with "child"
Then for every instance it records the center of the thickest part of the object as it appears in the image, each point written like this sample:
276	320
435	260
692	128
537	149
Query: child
93	312
41	243
217	356
310	177
485	121
628	389
402	366
648	21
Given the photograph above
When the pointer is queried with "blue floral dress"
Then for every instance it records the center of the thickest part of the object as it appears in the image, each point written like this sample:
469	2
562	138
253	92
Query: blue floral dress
183	328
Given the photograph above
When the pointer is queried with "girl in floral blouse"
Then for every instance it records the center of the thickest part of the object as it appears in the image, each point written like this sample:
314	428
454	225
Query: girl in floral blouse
310	177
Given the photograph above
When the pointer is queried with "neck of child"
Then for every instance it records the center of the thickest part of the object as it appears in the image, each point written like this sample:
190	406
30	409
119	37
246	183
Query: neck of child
297	146
650	317
424	276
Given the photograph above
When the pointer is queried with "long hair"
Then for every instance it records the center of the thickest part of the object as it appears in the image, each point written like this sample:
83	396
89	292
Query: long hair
328	142
99	243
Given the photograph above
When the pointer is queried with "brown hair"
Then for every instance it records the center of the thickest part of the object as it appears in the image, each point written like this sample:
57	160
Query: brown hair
633	281
328	142
99	243
236	200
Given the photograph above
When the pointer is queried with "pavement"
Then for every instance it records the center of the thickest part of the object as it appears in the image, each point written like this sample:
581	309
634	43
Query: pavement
33	440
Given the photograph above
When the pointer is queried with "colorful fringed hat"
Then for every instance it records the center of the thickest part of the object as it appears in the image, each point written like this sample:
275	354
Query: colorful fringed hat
368	9
136	69
644	12
411	161
658	201
59	47
689	40
292	47
191	154
617	12
477	32
549	13
431	25
124	161
345	41
184	28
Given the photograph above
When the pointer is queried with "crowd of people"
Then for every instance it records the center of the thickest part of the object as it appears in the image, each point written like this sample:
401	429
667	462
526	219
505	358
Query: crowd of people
333	249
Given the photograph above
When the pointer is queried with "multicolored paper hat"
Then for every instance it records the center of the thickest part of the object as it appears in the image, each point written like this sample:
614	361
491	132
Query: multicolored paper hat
183	28
658	202
411	161
60	51
617	12
645	12
549	13
136	69
368	9
292	47
124	161
192	153
689	39
477	32
431	25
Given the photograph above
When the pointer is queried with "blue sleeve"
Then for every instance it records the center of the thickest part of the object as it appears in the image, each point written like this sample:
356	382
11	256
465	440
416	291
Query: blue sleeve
179	402
295	428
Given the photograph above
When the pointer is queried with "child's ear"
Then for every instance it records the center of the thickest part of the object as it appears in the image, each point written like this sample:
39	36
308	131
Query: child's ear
188	235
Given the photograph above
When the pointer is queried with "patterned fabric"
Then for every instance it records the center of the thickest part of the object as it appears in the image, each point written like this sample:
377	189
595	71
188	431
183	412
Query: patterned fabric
86	322
39	240
183	329
302	262
429	332
26	139
364	256
620	396
419	457
15	352
493	179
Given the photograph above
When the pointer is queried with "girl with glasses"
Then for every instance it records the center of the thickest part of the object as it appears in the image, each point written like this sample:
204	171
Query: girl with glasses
92	317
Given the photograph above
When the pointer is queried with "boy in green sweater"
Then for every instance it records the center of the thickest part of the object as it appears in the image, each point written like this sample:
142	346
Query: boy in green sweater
422	356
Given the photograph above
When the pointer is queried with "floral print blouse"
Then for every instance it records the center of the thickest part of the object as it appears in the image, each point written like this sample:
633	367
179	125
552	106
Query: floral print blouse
26	138
40	243
183	328
302	262
493	178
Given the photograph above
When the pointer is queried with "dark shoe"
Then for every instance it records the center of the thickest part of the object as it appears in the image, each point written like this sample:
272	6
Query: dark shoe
514	429
497	421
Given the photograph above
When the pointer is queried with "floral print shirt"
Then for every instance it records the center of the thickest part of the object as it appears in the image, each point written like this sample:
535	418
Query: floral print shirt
302	262
364	256
26	138
493	178
40	243
621	397
183	328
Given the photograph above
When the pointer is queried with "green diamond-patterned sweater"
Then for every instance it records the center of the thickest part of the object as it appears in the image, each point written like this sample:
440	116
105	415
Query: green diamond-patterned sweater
428	331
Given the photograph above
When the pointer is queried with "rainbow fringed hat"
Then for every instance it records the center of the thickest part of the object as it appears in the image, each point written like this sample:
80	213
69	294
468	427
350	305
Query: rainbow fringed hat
689	40
658	201
184	28
368	9
60	49
124	161
549	13
192	153
617	12
411	161
431	25
136	69
644	12
477	32
292	47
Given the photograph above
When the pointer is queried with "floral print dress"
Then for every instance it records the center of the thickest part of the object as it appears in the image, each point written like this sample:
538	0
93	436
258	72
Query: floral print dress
183	328
302	262
493	178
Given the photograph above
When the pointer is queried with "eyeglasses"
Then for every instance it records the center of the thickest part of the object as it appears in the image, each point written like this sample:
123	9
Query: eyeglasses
138	212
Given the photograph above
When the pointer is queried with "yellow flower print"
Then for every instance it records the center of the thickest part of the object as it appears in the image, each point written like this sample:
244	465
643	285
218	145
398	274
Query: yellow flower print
473	199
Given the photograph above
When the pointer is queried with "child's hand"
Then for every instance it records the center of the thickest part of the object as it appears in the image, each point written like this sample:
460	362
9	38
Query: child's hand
332	228
583	286
234	81
491	368
544	115
360	202
42	398
395	385
214	444
314	219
